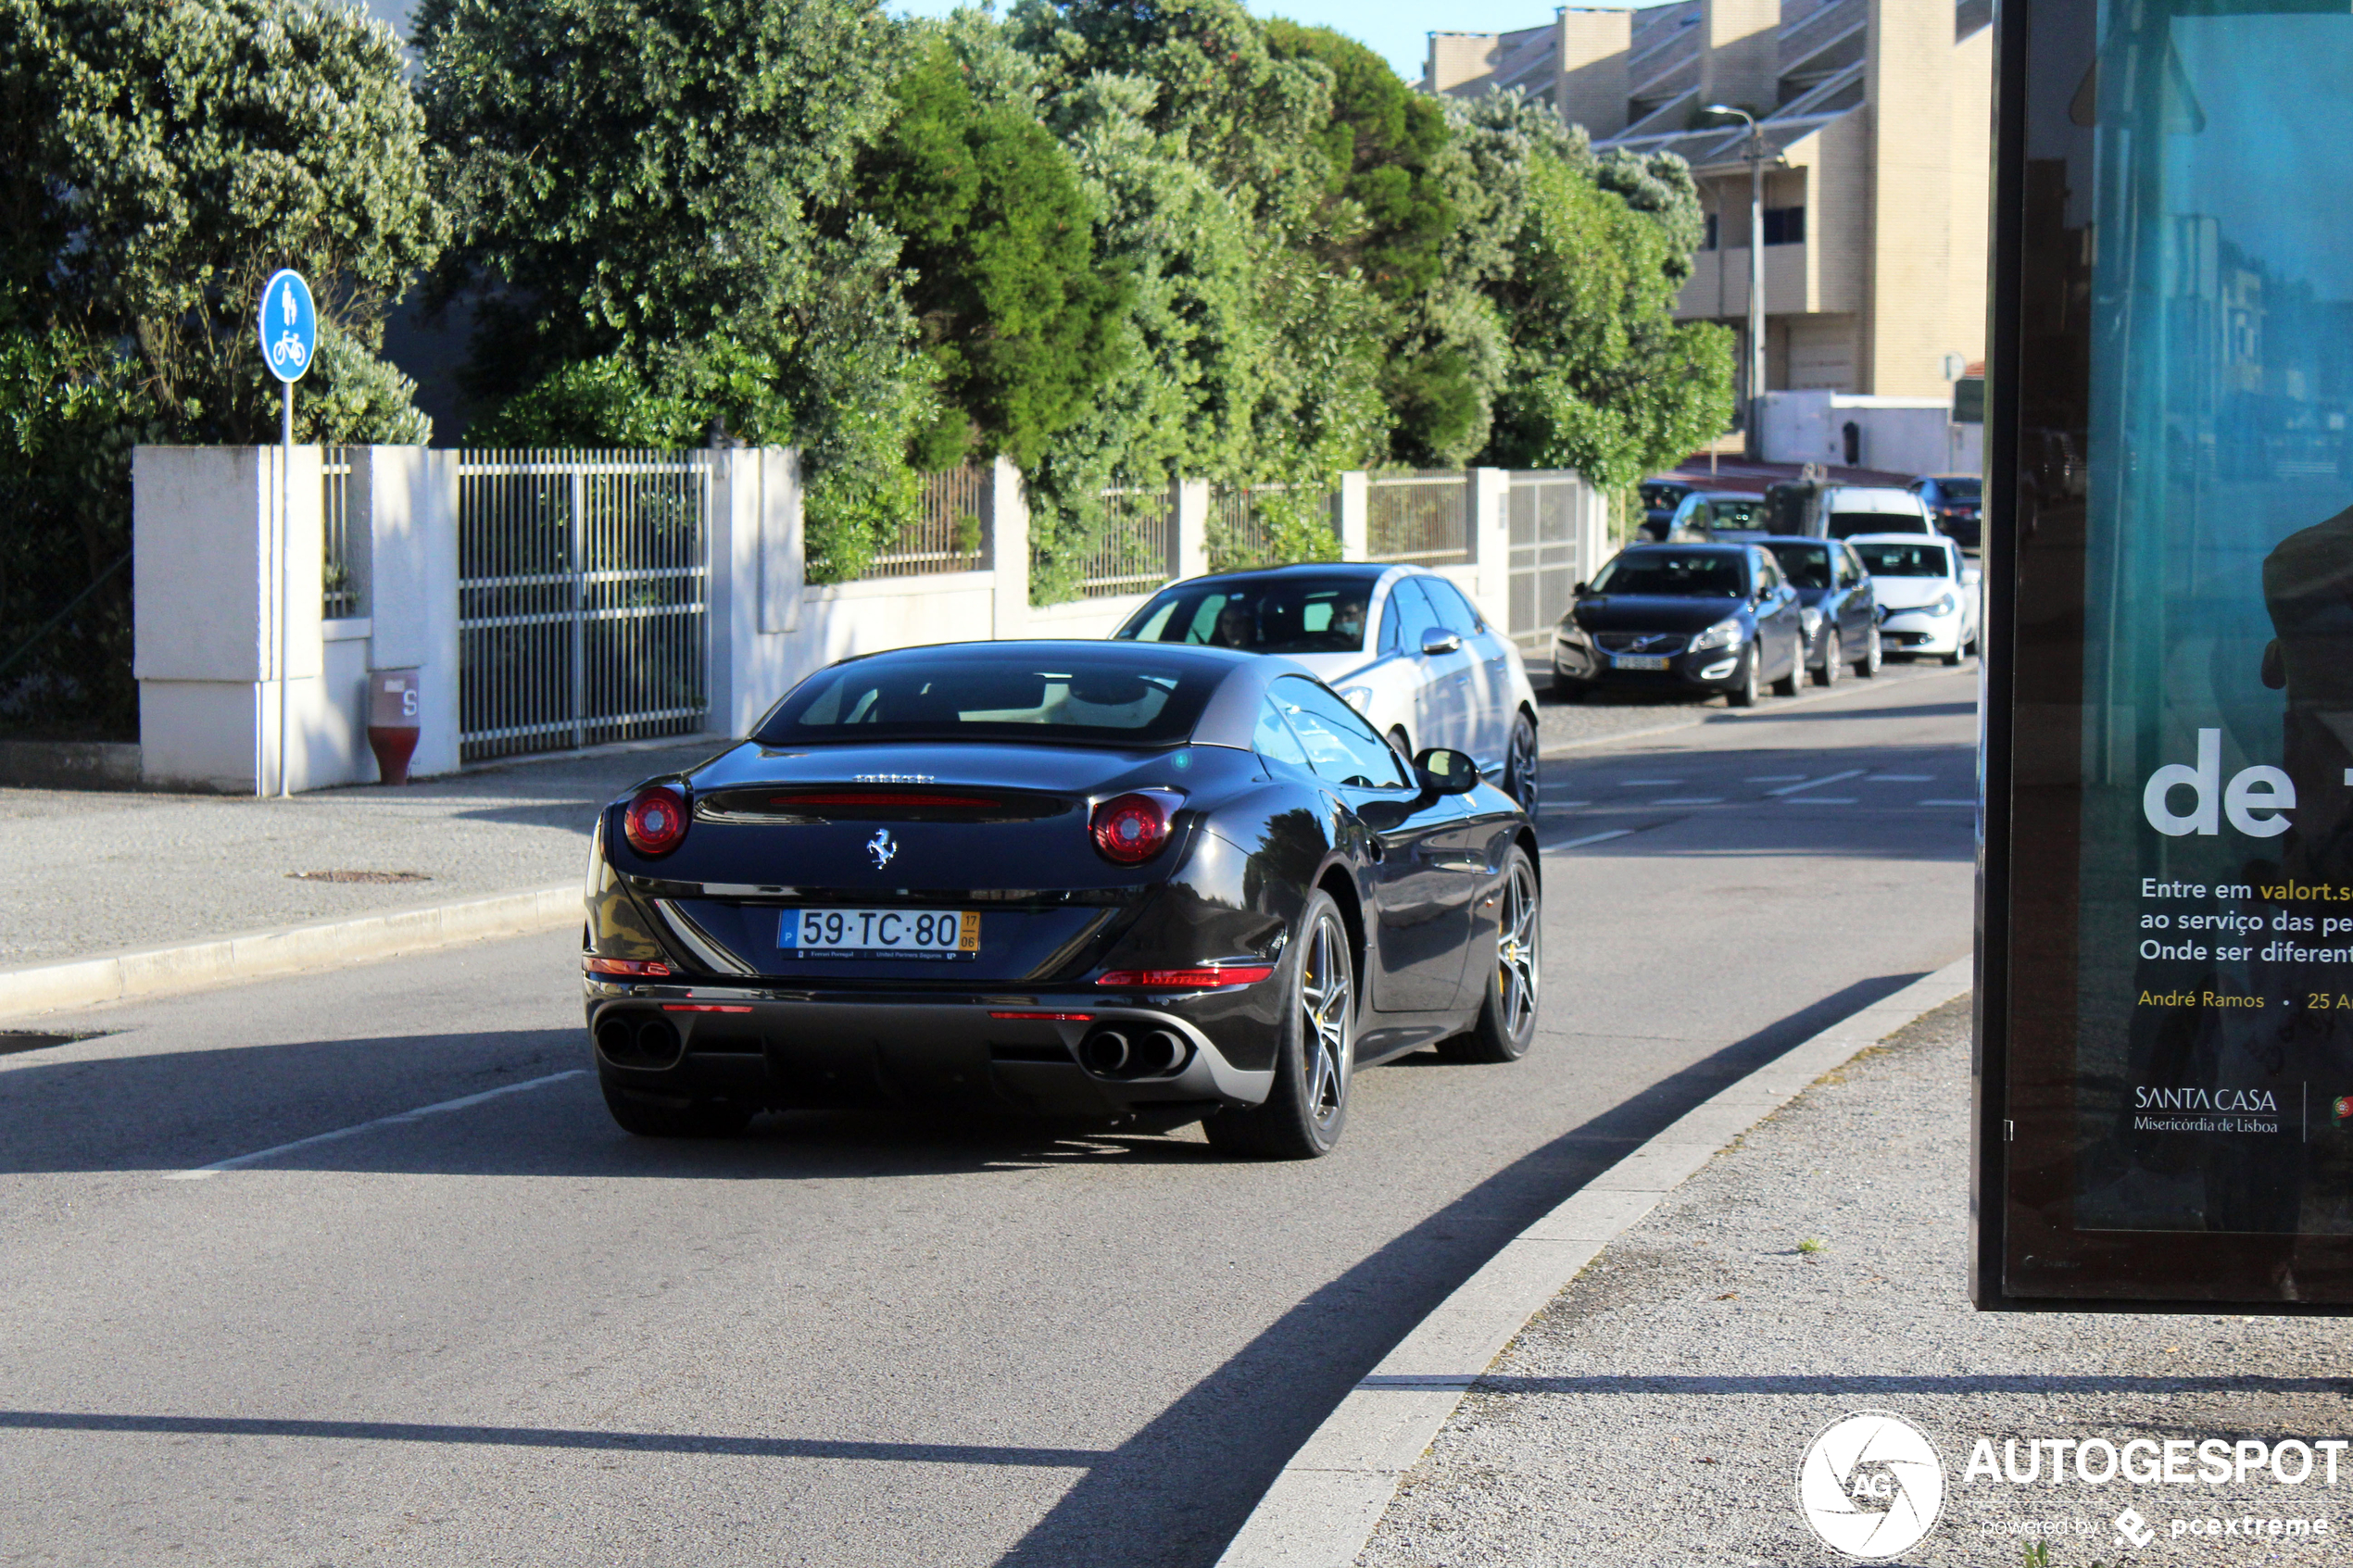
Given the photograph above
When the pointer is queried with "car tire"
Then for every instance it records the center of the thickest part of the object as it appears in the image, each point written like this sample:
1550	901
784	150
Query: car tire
1307	1109
1522	771
1953	659
1744	694
1874	658
1506	1025
1794	682
651	1118
1834	655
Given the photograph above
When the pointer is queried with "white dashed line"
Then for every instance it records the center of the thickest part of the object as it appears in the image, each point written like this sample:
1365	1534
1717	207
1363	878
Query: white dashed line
1691	800
1593	838
240	1161
1817	783
1562	805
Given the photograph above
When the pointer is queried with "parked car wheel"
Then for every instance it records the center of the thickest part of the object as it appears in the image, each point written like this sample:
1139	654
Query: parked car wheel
1874	658
1953	659
1833	656
1794	682
1521	770
1506	1024
1744	694
1305	1112
651	1118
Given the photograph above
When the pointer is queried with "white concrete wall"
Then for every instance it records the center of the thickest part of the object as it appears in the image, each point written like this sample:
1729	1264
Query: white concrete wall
1911	435
209	690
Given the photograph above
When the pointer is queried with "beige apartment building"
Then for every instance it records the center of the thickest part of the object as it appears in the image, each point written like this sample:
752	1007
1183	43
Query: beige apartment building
1876	116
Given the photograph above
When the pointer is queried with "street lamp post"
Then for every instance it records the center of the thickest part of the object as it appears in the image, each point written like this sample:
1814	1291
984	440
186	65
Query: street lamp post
1755	274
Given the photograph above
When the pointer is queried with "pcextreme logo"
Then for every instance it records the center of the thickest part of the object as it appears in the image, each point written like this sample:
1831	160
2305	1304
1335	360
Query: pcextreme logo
1870	1485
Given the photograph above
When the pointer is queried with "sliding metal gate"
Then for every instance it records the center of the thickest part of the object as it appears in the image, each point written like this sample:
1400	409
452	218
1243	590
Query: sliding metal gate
582	581
1559	531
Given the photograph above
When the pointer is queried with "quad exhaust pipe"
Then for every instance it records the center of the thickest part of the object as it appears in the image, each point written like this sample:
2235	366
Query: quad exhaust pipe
1117	1053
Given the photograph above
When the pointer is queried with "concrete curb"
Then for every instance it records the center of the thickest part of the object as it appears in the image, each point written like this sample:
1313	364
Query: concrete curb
1323	1508
155	972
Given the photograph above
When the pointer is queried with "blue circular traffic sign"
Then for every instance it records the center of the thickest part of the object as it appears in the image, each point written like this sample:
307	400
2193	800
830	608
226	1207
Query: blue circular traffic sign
289	325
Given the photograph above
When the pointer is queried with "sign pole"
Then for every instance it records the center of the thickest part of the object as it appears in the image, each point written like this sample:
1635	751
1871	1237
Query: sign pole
287	323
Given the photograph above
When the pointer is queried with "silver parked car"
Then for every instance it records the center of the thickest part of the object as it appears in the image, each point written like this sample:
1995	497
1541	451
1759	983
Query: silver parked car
1402	644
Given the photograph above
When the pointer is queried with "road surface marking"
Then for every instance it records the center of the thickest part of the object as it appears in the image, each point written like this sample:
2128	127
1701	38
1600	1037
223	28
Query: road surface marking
1593	838
1563	805
1774	778
1690	800
240	1161
1817	783
1822	801
1646	783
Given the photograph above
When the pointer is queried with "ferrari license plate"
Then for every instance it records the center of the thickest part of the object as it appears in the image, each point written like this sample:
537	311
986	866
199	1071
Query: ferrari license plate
1639	660
897	933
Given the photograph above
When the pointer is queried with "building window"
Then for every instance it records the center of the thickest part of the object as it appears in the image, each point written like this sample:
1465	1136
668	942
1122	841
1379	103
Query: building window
1784	225
1709	243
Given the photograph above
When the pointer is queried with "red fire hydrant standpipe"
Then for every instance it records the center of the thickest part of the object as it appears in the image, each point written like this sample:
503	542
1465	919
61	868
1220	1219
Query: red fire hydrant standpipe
393	722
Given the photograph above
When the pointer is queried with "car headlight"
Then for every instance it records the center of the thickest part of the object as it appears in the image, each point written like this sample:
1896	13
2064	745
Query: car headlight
1811	619
1725	633
1358	698
1944	606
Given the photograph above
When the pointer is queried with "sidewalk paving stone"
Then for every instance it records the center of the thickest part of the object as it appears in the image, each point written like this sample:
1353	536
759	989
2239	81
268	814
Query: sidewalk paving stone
1657	1411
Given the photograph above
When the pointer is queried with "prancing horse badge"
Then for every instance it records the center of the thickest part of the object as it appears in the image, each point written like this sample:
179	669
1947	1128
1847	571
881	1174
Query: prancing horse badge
881	847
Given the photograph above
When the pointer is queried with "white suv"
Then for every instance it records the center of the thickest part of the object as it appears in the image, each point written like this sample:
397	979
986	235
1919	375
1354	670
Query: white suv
1402	644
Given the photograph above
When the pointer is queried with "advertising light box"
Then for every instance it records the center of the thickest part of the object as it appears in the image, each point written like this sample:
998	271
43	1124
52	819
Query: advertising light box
2164	1069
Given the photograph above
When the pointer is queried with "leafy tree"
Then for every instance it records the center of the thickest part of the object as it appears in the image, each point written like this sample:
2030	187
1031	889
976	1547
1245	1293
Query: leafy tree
1017	312
1604	379
667	185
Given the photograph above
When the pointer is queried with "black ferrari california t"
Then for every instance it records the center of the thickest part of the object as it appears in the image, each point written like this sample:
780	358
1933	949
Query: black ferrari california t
1127	883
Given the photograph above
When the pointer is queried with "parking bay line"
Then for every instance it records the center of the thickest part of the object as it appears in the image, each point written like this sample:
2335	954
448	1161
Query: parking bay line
1817	783
1592	838
238	1162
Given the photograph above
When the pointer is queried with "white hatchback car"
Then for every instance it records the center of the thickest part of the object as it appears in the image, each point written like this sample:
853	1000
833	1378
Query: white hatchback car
1927	592
1402	644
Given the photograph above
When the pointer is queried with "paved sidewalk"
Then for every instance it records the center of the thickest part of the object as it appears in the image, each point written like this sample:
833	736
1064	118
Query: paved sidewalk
1657	1411
97	871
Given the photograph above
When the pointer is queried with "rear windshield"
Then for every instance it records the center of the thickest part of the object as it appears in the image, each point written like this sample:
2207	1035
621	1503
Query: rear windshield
1805	566
1845	526
1959	489
1265	615
1664	497
1675	575
1739	514
1904	560
995	694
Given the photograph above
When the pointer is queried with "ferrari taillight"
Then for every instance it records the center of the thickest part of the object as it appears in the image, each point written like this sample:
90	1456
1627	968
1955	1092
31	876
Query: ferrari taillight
1129	829
656	820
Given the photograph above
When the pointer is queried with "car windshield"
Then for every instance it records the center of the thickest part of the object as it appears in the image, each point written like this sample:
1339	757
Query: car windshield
1745	512
1263	615
1805	566
1674	574
1845	526
1046	694
1904	560
1959	489
1663	495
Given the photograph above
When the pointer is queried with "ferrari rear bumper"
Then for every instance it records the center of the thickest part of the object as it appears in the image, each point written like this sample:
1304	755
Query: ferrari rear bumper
1057	1056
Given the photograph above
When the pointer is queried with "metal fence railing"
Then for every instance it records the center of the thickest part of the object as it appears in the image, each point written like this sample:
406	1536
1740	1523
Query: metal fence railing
582	582
1265	524
1556	524
344	595
1131	554
1420	517
945	534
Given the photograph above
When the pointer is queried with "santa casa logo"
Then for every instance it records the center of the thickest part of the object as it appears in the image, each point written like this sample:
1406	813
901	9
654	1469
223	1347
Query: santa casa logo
2147	1097
1871	1485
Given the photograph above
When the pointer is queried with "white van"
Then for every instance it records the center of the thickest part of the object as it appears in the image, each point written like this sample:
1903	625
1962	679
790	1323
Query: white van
1846	510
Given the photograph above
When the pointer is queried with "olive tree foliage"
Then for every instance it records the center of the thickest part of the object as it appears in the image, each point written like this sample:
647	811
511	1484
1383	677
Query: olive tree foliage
158	159
163	157
655	225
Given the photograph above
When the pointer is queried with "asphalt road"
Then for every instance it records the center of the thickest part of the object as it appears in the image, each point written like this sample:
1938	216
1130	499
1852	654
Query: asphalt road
504	1333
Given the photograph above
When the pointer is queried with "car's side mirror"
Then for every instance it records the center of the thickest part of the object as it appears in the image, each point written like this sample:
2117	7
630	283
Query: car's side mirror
1581	590
1438	640
1446	773
1970	577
